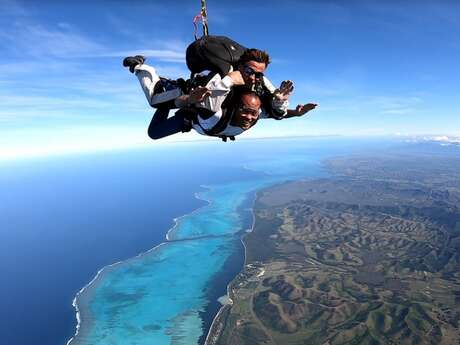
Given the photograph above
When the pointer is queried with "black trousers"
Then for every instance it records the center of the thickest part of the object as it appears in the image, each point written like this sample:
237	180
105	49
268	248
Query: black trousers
161	126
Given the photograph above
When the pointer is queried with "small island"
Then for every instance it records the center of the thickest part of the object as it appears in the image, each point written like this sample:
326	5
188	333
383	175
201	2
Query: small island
369	255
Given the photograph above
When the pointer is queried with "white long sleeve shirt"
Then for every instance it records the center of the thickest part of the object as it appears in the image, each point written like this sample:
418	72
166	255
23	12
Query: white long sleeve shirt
220	88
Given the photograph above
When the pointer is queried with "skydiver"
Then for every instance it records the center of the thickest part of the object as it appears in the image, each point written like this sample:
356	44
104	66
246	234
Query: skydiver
217	108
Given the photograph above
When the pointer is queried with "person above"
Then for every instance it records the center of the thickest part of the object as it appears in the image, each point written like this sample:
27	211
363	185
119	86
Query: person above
251	65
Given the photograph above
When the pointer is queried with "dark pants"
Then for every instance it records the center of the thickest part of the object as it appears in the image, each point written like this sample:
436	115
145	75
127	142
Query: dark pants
161	126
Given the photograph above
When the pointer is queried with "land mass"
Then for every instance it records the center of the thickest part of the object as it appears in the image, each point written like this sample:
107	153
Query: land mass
368	256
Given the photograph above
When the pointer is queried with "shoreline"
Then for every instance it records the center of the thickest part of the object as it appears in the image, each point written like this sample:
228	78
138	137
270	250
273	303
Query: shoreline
214	329
106	269
199	196
215	322
92	283
232	260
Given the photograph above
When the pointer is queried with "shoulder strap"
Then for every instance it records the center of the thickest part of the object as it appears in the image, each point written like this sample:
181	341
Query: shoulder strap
220	125
227	115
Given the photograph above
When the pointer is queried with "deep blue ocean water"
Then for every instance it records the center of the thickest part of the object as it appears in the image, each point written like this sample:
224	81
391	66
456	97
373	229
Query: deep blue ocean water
63	219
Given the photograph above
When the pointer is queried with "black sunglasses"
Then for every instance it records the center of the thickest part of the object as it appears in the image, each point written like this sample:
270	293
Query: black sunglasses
249	71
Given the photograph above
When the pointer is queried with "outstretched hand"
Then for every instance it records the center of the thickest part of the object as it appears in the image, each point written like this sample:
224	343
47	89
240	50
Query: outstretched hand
302	109
285	90
198	95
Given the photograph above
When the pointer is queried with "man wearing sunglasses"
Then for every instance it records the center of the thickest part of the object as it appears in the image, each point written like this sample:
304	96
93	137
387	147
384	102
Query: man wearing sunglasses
250	74
251	66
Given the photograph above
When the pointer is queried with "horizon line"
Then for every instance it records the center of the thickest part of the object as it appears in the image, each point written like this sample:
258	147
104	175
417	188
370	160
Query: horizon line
23	155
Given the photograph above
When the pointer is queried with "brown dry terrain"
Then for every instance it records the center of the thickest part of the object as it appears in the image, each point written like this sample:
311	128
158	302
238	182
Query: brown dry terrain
369	257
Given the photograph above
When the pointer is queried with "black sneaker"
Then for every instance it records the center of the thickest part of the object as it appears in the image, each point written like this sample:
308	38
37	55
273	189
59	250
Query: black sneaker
133	61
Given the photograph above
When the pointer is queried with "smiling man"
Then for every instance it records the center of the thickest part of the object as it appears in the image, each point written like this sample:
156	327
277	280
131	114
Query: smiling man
248	111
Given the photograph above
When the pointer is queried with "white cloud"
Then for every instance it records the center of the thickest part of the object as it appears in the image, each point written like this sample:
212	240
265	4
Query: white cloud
25	101
37	41
443	139
162	55
23	144
32	143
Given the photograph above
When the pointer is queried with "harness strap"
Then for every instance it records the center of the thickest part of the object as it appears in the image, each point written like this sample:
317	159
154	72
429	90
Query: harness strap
196	19
191	117
191	114
203	17
220	125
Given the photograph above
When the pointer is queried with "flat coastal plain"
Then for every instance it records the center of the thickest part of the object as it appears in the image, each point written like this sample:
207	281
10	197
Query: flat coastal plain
368	256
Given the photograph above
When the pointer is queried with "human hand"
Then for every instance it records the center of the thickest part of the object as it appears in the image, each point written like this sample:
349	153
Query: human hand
198	95
236	77
302	109
284	91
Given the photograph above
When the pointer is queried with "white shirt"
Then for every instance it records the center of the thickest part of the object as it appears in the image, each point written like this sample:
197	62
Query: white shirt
220	88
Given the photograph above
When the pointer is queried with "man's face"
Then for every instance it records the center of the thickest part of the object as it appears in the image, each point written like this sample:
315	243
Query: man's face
247	113
251	71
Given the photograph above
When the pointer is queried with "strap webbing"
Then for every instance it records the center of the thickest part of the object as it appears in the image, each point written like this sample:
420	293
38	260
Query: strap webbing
203	16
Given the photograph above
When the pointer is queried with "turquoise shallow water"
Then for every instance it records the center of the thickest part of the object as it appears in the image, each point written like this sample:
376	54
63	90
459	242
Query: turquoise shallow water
159	297
156	298
220	217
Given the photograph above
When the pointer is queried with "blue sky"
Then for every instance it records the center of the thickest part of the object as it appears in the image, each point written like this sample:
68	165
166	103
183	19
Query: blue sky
375	67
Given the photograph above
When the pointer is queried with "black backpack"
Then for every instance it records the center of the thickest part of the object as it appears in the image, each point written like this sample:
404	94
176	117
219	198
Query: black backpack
213	53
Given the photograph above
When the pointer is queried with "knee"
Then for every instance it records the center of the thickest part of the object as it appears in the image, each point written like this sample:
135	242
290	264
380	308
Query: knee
153	134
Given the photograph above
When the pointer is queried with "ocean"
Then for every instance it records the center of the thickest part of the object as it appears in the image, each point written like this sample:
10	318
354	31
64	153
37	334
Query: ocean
64	219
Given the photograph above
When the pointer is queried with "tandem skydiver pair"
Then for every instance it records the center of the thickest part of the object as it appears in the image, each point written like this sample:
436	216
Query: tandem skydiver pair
225	102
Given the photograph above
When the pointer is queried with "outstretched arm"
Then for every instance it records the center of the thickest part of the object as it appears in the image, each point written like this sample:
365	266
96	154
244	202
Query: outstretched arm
283	93
281	97
300	110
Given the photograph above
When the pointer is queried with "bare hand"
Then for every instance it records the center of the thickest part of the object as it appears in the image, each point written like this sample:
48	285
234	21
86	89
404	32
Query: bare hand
236	77
284	90
302	109
198	95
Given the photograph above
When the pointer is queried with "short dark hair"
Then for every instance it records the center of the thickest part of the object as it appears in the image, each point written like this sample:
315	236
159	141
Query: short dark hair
246	92
255	55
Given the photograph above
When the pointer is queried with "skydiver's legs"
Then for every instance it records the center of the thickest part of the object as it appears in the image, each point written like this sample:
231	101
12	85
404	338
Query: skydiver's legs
161	94
161	126
148	78
158	91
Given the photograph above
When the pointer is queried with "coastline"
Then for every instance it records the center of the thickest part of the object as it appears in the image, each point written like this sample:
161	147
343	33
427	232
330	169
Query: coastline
216	326
79	301
228	321
228	272
198	196
207	329
92	284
